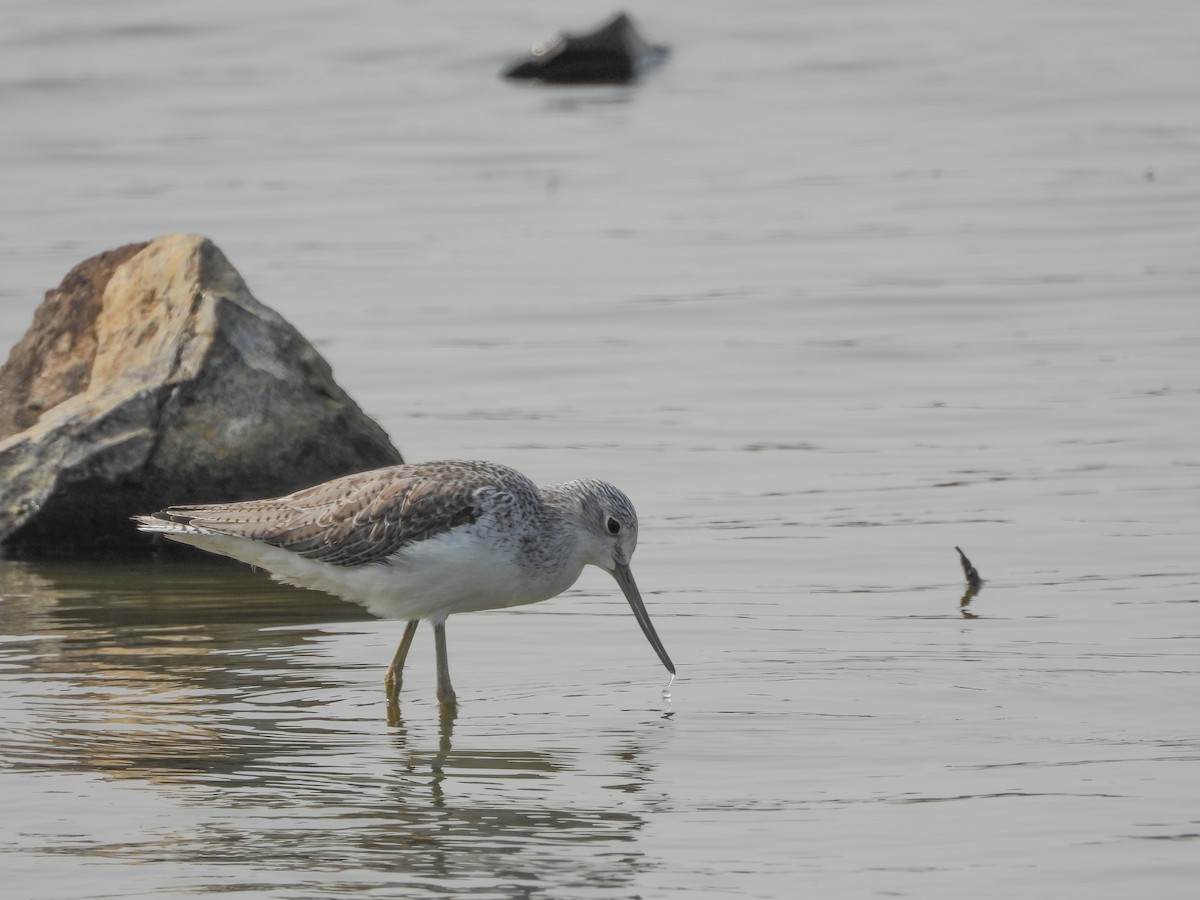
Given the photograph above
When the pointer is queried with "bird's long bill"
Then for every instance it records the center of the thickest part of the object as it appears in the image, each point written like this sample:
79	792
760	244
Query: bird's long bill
625	579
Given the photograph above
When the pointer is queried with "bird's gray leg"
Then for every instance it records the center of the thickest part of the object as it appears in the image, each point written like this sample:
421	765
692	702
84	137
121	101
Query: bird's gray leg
445	693
395	672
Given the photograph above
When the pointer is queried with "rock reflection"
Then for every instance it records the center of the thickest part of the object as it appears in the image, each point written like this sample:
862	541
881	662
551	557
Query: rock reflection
168	678
131	668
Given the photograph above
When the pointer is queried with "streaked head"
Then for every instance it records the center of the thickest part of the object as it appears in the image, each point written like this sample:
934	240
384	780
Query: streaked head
610	528
609	521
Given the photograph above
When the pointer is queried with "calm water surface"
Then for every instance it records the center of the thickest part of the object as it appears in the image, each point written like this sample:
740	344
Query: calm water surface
841	287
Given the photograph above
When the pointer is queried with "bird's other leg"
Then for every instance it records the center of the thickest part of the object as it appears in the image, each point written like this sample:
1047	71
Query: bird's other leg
445	693
395	672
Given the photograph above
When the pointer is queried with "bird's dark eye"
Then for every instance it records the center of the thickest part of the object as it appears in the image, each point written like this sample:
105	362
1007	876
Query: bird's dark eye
614	527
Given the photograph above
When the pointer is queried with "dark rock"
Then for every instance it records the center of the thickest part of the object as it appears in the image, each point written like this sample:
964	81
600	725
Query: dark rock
612	54
151	377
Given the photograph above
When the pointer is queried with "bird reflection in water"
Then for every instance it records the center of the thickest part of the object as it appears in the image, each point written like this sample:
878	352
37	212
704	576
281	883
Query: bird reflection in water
437	762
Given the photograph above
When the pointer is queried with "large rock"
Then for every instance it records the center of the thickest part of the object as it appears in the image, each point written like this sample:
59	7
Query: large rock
151	377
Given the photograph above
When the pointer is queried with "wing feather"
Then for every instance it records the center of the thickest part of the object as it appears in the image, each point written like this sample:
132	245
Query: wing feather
358	519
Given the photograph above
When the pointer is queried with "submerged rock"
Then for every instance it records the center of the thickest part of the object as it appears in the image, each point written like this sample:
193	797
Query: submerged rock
615	53
152	376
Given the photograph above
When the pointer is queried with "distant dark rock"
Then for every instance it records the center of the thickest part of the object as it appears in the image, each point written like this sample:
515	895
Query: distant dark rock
151	376
615	53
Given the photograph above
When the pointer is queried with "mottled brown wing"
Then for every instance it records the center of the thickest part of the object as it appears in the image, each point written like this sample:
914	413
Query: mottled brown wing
349	521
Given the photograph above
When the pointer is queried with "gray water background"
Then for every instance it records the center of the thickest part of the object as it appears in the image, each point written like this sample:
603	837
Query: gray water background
842	286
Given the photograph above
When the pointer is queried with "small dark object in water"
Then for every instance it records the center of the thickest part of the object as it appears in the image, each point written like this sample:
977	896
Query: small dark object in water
973	578
974	585
612	54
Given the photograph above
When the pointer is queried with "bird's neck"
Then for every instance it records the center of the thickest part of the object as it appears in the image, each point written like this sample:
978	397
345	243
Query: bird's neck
560	538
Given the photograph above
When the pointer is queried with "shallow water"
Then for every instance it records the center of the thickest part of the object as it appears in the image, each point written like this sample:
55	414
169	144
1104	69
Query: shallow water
840	288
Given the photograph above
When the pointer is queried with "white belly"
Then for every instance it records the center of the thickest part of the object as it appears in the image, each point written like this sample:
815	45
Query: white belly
453	573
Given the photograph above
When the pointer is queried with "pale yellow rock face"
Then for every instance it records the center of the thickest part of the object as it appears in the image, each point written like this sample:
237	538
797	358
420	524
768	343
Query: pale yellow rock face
176	385
146	310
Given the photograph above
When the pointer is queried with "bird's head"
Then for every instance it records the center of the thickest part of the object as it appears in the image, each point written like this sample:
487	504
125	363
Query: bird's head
609	531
